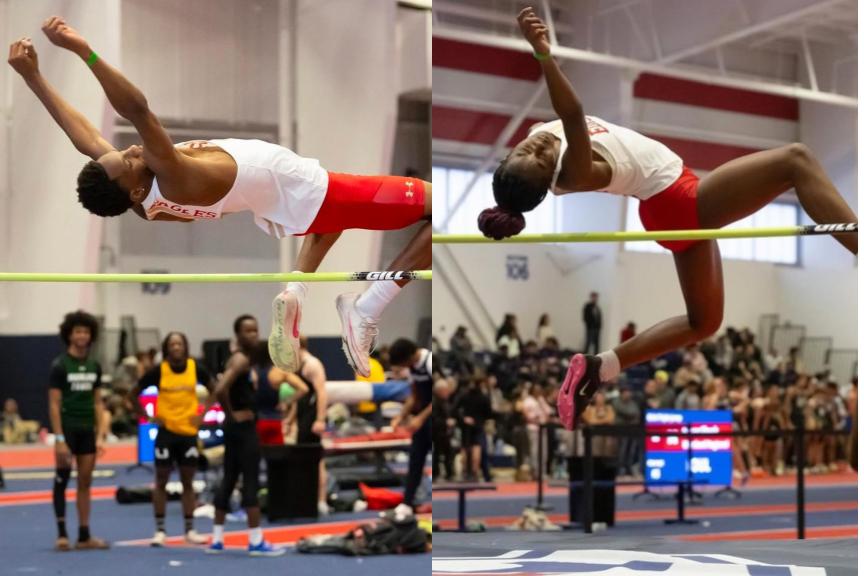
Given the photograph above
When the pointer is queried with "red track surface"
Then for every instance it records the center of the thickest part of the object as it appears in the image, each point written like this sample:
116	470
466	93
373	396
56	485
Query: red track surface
812	534
44	496
40	456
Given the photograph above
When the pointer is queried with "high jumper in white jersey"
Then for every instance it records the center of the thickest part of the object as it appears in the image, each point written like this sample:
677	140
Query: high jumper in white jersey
580	153
206	179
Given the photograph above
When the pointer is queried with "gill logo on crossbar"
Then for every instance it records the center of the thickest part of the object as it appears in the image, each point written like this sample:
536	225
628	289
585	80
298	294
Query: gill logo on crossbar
836	227
391	275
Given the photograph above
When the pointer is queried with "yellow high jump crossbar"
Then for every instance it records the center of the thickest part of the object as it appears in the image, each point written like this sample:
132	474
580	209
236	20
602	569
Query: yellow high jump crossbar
664	235
219	278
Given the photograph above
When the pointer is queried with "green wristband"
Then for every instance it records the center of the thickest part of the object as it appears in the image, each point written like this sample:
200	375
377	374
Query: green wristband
541	57
91	60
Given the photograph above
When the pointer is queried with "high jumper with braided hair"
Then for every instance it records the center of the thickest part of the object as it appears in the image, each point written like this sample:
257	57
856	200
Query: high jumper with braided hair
580	153
207	179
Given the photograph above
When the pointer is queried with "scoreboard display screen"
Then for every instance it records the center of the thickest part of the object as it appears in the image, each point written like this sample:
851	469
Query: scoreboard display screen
710	457
210	432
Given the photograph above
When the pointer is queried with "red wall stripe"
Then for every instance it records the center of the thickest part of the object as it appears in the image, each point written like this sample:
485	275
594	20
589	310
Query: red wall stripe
474	127
479	59
666	89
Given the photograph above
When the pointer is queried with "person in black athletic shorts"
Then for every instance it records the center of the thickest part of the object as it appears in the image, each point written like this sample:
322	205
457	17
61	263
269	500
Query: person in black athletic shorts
177	414
415	413
79	423
236	392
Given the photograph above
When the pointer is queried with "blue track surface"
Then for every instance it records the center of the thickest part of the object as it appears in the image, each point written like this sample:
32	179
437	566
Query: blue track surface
27	534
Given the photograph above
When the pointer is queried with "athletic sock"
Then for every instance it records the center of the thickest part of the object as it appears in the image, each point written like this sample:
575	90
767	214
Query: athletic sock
610	367
61	528
217	533
160	523
298	288
61	480
83	533
256	536
372	302
188	524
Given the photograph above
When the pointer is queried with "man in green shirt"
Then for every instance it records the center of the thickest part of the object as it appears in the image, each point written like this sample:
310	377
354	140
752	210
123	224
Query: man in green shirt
78	422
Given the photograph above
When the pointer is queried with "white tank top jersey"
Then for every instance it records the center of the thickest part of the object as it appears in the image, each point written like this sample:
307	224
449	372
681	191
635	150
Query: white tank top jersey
641	167
282	189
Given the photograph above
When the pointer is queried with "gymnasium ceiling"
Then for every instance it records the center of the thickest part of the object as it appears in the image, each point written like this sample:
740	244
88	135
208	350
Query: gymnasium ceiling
809	44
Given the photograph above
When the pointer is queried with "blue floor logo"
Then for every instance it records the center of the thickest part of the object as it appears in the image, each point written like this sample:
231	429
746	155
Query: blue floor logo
613	563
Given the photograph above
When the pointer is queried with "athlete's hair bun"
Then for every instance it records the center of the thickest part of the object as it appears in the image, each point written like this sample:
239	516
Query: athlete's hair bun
498	223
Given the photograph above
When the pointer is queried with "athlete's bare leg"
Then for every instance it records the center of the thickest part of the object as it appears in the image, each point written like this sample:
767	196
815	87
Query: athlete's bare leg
160	495
187	477
315	247
322	485
86	463
700	274
733	191
744	185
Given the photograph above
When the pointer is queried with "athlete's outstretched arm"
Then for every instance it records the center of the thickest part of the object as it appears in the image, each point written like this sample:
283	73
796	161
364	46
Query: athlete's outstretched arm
85	136
564	100
127	100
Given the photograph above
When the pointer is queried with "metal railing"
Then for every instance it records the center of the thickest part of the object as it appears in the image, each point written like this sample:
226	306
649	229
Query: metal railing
588	483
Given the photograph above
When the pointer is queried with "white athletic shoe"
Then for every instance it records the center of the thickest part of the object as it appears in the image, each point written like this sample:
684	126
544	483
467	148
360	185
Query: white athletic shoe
158	540
323	509
192	537
358	333
284	341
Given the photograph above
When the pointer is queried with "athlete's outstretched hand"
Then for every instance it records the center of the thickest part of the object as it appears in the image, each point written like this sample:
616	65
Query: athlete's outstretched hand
62	35
23	58
534	30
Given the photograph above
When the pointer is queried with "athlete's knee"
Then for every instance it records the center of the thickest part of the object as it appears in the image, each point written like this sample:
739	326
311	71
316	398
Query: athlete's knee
61	480
249	495
62	476
84	482
706	326
162	476
186	482
799	156
222	499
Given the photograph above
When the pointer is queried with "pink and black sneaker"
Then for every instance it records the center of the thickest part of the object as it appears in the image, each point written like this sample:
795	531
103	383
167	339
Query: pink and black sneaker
580	384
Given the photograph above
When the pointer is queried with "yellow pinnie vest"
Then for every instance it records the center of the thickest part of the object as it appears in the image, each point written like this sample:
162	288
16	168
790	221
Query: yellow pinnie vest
177	402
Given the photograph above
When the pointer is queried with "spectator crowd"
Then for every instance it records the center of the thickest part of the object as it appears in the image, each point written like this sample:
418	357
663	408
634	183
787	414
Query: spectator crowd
490	406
